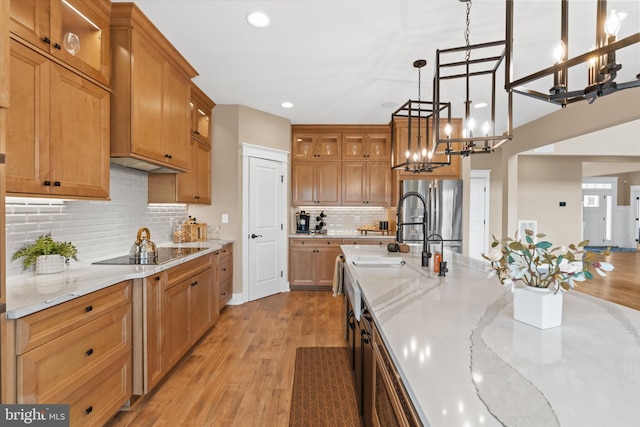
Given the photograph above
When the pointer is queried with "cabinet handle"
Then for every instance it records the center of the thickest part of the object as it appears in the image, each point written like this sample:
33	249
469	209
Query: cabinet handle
57	46
46	39
194	283
224	269
365	336
88	410
88	308
197	132
224	294
47	183
56	183
168	156
89	352
157	278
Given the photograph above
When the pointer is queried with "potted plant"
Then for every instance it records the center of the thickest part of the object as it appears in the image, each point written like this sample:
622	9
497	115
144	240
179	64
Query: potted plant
542	273
49	256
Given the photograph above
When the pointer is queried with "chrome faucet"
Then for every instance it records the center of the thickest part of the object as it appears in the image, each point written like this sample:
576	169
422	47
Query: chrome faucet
400	225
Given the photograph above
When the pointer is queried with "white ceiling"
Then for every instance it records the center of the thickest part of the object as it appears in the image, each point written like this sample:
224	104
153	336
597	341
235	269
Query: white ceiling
346	61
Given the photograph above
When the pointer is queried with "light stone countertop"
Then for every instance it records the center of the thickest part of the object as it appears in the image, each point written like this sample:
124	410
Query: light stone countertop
344	235
466	362
29	293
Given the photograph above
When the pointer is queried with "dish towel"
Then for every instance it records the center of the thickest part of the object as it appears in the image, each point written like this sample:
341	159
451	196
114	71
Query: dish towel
337	275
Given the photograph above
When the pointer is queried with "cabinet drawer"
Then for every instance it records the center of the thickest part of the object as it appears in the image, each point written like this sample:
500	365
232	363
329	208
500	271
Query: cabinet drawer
317	242
224	292
49	371
225	269
182	272
226	251
379	242
96	401
43	326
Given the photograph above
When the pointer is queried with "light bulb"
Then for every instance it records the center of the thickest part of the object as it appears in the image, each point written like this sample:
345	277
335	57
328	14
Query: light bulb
407	154
447	130
612	23
471	124
415	157
485	128
430	155
424	152
559	52
593	59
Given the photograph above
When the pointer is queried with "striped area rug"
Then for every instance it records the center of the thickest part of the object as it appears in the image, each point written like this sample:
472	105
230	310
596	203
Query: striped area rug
323	391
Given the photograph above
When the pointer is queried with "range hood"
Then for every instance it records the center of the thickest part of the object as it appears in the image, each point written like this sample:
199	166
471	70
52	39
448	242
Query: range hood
133	163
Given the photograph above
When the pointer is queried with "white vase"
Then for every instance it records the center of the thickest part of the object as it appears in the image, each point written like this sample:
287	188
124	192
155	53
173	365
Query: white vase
49	264
539	307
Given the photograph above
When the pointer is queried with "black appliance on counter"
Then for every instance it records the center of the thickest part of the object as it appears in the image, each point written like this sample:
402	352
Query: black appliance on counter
164	255
302	222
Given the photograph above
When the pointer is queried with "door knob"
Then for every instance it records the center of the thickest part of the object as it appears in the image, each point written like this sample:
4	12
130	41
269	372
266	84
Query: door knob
253	236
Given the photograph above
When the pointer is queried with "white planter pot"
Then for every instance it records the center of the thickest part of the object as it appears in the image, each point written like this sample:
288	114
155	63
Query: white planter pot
539	307
49	264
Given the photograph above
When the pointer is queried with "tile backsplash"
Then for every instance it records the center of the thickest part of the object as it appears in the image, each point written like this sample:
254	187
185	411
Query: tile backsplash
343	219
99	229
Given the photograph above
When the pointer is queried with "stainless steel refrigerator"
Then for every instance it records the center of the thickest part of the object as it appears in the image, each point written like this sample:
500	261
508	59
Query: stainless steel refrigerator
444	212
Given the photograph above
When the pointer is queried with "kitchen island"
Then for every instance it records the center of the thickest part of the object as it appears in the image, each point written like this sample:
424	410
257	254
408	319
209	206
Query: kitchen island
464	361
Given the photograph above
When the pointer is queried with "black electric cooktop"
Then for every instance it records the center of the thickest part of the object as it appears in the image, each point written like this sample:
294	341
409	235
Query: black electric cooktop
164	255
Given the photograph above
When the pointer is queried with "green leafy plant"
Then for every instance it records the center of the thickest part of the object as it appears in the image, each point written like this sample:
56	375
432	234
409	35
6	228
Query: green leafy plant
536	265
45	245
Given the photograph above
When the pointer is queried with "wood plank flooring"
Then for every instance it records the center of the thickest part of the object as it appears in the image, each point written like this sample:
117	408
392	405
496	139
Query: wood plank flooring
241	372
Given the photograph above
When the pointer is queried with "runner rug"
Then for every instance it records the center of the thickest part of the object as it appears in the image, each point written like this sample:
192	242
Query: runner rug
323	391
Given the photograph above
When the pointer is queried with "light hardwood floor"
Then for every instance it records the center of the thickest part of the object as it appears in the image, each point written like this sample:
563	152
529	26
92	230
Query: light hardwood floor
241	372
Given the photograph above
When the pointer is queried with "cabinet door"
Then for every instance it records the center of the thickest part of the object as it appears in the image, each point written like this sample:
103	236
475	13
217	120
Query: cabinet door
378	146
303	147
153	296
202	178
302	265
146	102
176	118
328	146
378	183
325	261
303	183
176	322
30	20
353	146
201	315
201	107
27	146
328	182
354	176
79	148
186	182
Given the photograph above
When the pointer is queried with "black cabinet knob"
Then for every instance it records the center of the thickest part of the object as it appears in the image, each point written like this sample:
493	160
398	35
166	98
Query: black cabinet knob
88	308
89	352
46	39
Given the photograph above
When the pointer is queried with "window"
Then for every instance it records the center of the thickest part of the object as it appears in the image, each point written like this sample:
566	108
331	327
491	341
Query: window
591	201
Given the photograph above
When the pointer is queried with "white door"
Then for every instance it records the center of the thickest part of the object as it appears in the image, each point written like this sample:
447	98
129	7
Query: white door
596	216
478	232
266	227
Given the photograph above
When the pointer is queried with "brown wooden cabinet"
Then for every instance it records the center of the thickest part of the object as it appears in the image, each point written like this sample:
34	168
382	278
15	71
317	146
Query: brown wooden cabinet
316	183
187	187
150	104
364	146
201	106
224	275
57	130
312	262
67	353
366	183
308	144
150	338
75	32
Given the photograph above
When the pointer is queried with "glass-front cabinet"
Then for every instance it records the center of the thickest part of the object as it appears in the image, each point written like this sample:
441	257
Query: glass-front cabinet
74	31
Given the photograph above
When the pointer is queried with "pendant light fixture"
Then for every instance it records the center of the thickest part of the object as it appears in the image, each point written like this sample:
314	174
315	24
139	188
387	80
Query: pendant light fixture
412	143
602	68
472	70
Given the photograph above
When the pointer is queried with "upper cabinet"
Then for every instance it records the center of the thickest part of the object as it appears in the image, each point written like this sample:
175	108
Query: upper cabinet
4	60
57	130
151	96
75	32
365	146
315	145
201	106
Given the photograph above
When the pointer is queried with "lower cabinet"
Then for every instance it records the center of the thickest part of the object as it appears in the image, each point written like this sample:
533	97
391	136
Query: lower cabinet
224	274
78	353
312	262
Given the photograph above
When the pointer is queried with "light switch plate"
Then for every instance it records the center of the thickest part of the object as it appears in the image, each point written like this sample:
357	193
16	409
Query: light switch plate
225	218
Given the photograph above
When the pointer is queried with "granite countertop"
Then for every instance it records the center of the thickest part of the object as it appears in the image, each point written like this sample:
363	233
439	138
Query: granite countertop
466	362
345	235
29	293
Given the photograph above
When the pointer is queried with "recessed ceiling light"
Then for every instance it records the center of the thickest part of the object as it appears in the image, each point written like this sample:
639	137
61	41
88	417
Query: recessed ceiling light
480	105
287	104
258	20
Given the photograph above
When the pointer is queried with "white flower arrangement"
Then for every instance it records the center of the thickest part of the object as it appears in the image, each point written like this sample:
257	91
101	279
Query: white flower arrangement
535	265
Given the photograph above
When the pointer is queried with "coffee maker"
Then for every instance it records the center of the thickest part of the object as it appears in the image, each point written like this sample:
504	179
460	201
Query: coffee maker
302	222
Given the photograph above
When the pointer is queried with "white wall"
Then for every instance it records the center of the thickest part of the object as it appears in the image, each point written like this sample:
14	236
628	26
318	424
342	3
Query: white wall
99	229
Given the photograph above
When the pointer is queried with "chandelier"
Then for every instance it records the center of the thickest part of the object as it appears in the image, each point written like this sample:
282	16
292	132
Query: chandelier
412	133
477	68
602	68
